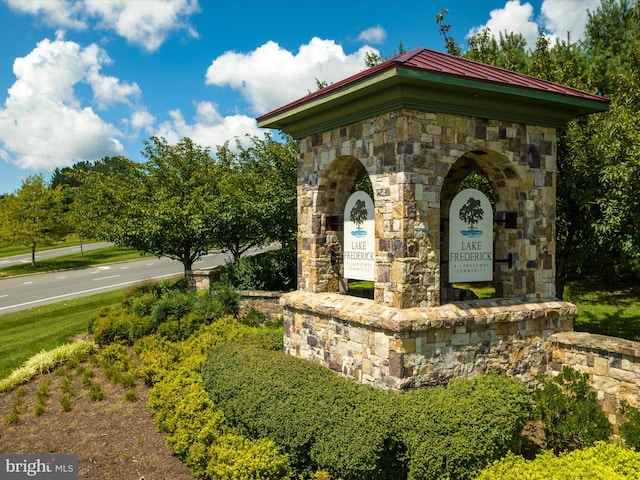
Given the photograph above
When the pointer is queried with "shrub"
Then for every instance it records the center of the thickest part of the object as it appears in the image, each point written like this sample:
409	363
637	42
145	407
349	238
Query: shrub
326	422
570	412
227	297
254	318
630	429
171	305
455	431
45	362
602	461
274	270
195	427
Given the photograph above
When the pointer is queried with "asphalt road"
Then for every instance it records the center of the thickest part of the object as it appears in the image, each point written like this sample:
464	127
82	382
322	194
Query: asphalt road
27	291
45	254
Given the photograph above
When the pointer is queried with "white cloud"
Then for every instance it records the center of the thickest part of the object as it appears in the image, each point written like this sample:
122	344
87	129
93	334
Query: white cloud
557	17
44	123
57	13
271	76
210	128
142	120
375	34
567	16
514	17
146	23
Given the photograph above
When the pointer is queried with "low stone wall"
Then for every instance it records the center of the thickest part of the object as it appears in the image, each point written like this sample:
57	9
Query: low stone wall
404	348
613	366
263	301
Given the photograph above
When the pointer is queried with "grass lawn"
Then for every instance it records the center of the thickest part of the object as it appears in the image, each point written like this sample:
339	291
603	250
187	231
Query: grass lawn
25	333
606	310
75	260
70	241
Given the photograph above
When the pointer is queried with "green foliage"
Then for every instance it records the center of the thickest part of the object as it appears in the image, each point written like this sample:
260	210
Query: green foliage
274	270
166	309
602	461
32	216
326	422
256	201
254	318
569	411
454	432
45	362
630	429
195	428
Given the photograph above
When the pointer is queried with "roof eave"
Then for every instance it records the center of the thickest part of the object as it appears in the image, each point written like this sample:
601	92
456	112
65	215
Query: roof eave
400	87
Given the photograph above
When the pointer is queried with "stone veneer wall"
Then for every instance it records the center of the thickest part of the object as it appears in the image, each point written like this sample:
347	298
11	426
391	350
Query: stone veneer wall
613	366
403	348
263	301
408	155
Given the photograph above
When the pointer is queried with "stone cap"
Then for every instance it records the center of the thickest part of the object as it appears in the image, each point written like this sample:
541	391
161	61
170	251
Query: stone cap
594	342
479	312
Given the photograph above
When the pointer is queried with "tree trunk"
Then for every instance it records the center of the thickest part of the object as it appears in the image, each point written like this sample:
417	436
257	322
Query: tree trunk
33	255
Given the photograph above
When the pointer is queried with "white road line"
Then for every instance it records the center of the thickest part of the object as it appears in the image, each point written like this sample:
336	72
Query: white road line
3	296
61	278
105	278
85	291
27	283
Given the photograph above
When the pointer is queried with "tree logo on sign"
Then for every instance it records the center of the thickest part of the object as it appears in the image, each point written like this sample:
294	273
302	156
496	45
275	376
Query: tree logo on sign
471	212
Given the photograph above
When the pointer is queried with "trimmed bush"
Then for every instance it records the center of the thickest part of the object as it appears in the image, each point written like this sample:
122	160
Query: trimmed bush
603	461
195	428
352	431
570	412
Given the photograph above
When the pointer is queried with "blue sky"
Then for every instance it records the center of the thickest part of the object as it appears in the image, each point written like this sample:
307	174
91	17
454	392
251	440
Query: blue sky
85	79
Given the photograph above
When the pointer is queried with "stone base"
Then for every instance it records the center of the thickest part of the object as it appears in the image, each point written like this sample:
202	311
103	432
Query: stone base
405	348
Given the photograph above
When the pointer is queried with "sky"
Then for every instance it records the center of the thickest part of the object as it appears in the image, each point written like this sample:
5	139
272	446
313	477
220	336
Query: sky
85	79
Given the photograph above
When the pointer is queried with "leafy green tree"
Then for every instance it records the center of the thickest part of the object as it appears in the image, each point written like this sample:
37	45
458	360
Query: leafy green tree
32	215
256	201
162	206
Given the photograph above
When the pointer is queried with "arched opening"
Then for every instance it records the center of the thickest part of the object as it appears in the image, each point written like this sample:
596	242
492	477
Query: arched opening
492	174
342	177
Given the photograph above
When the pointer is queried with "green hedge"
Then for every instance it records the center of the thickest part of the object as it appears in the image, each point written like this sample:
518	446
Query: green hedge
195	427
327	422
603	461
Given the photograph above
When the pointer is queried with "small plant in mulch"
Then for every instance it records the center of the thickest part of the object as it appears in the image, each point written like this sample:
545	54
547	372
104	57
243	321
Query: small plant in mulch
66	403
130	395
13	416
42	395
96	393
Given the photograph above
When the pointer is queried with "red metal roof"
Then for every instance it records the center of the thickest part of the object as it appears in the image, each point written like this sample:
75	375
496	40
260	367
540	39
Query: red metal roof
424	59
431	61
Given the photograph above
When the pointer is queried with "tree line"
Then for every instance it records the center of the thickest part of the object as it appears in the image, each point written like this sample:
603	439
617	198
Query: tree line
181	202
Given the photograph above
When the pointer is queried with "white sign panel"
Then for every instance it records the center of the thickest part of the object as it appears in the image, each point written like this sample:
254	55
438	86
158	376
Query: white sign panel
359	238
470	237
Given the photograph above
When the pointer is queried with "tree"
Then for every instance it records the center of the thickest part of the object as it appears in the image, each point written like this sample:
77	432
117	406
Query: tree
32	215
162	206
256	202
